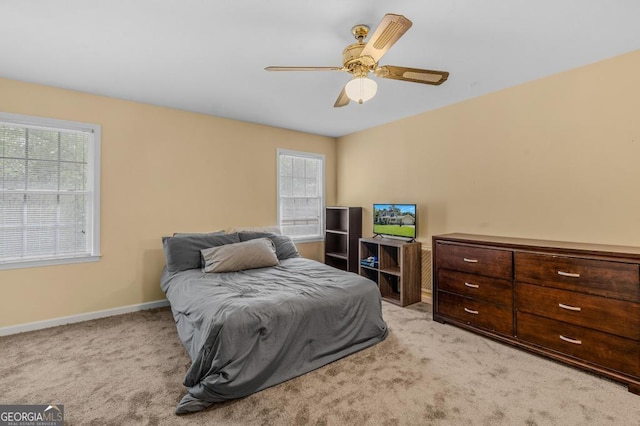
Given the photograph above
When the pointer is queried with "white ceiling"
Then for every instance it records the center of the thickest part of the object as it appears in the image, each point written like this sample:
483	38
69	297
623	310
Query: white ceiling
209	56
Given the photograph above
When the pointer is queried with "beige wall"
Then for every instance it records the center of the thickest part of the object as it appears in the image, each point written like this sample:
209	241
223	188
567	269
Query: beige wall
163	171
557	158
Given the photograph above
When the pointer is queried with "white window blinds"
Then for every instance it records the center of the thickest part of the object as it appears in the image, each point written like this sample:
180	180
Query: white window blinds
48	190
300	194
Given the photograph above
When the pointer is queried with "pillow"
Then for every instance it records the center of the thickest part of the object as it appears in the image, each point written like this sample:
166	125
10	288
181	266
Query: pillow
257	253
252	235
275	229
183	252
285	247
189	234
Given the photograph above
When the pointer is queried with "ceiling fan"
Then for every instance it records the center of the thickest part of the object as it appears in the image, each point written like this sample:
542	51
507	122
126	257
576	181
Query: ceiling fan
360	58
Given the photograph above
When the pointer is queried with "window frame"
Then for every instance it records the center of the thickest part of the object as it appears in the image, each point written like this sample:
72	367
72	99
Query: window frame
93	162
303	154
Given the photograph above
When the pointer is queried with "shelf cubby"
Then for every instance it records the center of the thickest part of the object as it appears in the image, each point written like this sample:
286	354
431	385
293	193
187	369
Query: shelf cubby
370	273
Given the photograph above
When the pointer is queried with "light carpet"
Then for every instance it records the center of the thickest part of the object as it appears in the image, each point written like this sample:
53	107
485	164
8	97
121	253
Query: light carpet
128	370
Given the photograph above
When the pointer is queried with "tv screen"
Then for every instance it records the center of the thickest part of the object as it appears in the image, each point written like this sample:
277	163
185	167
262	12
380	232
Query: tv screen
397	220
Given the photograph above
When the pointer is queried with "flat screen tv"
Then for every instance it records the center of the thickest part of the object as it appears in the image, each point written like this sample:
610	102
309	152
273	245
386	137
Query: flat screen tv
395	220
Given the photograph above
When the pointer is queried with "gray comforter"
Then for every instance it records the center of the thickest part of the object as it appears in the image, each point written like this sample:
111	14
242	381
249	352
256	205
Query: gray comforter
248	330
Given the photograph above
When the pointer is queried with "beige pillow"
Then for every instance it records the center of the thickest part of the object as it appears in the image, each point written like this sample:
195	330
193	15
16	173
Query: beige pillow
251	254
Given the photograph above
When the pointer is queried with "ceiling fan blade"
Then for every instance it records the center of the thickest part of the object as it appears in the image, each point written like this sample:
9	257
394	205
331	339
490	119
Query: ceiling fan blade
303	68
342	100
415	75
390	29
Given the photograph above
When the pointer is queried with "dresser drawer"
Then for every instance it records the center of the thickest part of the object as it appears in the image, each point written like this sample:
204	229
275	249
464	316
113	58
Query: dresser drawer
609	315
475	260
477	313
600	277
603	349
489	289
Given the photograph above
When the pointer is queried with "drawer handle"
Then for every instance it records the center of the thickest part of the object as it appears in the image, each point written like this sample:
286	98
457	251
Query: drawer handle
568	274
470	311
466	259
569	307
570	340
471	285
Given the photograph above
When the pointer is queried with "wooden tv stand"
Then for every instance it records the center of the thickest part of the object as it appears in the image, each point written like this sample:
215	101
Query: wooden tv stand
399	269
574	303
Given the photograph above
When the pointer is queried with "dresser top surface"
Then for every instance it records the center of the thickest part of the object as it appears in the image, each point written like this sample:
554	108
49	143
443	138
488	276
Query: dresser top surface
528	243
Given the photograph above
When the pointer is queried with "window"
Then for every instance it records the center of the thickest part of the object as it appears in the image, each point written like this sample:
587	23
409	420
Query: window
49	191
301	194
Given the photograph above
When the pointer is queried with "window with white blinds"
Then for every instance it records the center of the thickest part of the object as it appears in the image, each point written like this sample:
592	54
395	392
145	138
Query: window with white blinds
49	191
301	194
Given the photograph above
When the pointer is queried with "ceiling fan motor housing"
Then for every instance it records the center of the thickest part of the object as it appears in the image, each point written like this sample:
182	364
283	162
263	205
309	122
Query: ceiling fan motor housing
354	63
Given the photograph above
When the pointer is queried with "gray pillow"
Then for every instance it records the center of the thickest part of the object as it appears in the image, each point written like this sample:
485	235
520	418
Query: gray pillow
190	234
252	235
285	247
183	252
256	253
274	229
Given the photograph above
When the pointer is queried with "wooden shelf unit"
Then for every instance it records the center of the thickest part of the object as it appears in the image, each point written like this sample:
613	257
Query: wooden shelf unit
398	272
343	228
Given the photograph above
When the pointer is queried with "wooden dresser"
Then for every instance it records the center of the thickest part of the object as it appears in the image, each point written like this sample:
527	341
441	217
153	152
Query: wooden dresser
575	303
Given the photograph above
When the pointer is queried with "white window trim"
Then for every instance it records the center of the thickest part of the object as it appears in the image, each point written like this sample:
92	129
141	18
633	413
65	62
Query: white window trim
316	156
94	182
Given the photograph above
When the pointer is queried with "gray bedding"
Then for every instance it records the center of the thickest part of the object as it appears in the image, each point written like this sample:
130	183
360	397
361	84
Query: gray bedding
248	330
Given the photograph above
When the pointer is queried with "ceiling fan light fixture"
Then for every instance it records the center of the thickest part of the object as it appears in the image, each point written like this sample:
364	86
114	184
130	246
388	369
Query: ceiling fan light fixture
361	89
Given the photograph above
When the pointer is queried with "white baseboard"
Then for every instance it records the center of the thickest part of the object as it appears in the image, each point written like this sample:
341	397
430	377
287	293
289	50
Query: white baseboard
38	325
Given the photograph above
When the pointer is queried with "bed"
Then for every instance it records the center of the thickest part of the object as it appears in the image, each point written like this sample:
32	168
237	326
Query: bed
252	328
